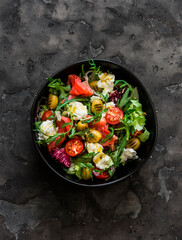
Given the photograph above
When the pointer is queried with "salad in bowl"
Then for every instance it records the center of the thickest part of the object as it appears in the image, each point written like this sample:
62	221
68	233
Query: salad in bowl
92	123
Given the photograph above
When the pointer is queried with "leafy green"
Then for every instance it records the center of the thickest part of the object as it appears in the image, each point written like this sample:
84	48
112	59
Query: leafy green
78	171
71	169
95	118
108	136
84	158
144	136
37	125
80	133
44	108
72	132
66	124
136	94
105	98
119	150
124	99
134	116
40	142
87	166
57	87
80	166
95	69
66	102
52	138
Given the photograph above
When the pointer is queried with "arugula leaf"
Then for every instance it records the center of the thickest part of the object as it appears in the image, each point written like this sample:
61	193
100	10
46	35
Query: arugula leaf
37	125
117	153
72	134
83	71
87	166
52	138
136	94
66	102
80	133
67	124
79	169
40	142
105	98
124	99
84	158
95	69
108	136
43	109
57	87
88	120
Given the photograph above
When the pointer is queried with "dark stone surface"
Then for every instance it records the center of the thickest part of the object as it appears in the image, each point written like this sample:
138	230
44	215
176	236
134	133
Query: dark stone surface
37	38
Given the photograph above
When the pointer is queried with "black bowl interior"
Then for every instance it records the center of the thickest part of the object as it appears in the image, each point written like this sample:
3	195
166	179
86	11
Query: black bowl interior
151	124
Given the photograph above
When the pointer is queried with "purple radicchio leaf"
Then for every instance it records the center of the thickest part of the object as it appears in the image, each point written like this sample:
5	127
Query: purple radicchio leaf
117	94
61	156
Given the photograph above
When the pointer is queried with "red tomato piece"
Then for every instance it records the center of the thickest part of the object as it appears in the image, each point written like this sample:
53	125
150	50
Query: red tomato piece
52	145
114	115
73	147
110	143
59	124
71	97
101	126
46	115
72	78
79	87
101	175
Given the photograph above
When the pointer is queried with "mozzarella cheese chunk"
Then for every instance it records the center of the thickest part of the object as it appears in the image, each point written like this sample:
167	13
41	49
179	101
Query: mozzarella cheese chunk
128	153
106	82
94	98
47	127
58	115
110	105
78	110
94	147
102	161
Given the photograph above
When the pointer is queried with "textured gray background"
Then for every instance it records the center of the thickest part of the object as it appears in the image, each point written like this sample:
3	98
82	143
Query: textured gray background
37	38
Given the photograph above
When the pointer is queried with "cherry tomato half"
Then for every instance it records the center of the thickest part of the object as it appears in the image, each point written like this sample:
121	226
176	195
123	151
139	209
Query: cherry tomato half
114	115
101	175
73	147
46	114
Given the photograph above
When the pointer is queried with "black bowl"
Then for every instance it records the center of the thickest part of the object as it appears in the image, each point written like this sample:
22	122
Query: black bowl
146	148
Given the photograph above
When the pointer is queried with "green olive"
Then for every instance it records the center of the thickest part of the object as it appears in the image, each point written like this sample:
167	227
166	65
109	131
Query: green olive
81	126
94	86
94	136
133	143
52	101
97	105
86	174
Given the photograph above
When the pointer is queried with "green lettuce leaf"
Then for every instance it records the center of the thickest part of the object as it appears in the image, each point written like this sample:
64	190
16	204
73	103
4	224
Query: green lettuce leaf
144	136
137	118
78	171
